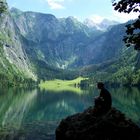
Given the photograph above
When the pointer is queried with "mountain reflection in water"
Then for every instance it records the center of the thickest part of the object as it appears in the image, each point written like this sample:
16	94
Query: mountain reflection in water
34	114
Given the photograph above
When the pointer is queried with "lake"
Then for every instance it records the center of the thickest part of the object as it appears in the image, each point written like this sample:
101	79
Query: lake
33	114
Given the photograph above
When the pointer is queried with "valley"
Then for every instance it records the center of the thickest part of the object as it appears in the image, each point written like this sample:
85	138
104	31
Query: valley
39	46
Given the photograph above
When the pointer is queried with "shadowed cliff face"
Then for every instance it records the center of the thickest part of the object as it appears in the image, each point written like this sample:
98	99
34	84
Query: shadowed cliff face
88	126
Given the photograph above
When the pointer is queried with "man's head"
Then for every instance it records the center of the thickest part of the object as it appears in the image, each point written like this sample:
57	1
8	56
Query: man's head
100	85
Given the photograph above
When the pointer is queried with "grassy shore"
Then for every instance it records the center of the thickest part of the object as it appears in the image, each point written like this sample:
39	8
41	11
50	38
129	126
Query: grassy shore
62	85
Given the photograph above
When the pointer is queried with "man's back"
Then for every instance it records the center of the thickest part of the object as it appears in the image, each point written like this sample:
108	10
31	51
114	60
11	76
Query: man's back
105	95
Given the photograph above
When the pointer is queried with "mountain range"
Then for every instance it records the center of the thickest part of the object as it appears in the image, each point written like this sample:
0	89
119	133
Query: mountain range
37	45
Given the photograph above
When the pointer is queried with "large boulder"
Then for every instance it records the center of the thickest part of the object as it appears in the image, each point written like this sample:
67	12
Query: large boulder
90	126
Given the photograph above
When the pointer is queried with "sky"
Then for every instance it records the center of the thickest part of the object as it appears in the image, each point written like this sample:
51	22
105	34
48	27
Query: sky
96	10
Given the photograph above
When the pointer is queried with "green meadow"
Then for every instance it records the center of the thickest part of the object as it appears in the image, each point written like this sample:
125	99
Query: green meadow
62	85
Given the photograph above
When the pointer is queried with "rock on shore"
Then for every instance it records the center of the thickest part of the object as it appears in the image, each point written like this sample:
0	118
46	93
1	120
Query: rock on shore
89	126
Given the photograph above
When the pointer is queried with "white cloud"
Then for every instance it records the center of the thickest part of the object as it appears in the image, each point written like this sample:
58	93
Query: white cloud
116	16
56	4
124	17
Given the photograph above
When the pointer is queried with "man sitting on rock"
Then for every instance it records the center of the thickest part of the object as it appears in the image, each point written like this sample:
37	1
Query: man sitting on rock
103	102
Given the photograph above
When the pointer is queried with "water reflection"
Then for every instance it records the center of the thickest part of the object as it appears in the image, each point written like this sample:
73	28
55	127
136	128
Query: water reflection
36	105
27	109
55	106
127	100
14	107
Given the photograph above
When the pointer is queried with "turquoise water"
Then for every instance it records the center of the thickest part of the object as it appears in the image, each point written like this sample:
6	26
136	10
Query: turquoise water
32	114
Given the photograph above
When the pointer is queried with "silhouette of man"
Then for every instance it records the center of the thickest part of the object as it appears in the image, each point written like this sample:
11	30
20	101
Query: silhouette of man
103	102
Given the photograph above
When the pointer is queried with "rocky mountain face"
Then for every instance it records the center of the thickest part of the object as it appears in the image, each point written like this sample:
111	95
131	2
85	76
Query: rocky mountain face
34	42
13	58
57	42
66	42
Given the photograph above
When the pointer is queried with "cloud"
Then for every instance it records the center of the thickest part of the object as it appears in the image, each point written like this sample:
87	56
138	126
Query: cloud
56	4
116	16
124	17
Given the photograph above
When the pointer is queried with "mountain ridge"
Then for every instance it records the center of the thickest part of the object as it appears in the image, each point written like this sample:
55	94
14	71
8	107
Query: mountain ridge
50	45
